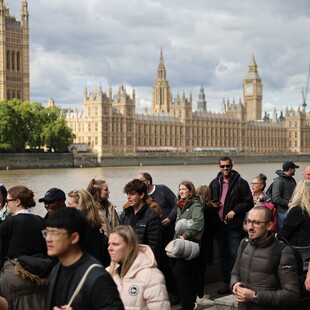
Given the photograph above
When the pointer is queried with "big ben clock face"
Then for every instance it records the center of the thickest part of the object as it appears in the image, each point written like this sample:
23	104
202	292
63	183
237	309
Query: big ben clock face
249	90
259	90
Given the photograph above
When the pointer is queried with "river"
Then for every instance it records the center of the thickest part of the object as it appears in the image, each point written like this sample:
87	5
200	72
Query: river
40	180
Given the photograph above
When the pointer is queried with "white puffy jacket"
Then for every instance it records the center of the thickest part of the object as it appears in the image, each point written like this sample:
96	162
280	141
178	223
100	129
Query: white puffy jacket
143	287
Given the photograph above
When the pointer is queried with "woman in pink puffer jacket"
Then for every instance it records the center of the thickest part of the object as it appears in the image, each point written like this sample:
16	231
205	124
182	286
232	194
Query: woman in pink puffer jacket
134	269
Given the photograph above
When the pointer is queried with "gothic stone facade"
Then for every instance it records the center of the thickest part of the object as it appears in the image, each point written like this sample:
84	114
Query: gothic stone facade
14	54
109	123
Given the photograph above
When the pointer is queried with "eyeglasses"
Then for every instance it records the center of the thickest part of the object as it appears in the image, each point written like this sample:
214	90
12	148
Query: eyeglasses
8	200
54	233
225	166
255	183
254	223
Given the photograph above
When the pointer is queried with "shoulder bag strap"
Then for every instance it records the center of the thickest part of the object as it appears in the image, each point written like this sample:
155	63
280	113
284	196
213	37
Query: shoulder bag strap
78	288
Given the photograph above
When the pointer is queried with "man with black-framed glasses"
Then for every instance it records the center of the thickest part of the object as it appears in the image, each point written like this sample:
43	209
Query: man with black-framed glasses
265	274
233	198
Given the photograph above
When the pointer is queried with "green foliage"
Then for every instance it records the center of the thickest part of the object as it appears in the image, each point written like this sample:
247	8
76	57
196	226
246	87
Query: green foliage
25	124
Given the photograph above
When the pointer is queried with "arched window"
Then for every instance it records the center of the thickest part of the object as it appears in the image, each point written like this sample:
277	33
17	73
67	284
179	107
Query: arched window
18	94
13	61
18	61
13	94
8	94
8	60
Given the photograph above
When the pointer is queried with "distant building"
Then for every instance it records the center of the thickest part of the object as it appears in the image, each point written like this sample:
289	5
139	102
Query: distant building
110	125
14	53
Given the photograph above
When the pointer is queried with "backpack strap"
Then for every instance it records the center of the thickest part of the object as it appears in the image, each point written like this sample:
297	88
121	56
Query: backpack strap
78	288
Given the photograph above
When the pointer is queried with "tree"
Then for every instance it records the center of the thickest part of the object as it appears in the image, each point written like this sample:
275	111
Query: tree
11	127
56	134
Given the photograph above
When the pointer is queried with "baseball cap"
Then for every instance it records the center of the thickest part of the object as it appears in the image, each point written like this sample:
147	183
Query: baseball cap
53	194
289	165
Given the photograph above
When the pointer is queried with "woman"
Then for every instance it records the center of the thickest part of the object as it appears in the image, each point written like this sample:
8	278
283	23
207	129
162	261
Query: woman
133	267
211	225
3	207
100	191
258	185
296	228
97	244
185	271
260	198
21	234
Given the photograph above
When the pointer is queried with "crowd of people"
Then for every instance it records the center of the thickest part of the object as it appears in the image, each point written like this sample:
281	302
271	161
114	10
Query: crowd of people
85	255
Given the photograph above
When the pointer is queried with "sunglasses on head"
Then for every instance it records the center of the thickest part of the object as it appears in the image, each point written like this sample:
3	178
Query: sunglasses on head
225	166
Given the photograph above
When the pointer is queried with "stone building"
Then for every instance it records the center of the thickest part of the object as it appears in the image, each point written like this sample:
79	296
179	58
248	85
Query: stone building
14	53
109	123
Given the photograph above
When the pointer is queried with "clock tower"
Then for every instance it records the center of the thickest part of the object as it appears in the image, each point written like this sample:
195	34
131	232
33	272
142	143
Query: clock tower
253	92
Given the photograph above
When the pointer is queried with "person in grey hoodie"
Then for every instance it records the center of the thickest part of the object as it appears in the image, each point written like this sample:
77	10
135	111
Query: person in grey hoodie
282	190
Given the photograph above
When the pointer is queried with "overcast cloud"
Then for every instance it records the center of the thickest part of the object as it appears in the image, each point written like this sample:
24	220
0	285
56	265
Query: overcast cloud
205	42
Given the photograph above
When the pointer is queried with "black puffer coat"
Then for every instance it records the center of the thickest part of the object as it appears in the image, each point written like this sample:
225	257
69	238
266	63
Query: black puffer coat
147	225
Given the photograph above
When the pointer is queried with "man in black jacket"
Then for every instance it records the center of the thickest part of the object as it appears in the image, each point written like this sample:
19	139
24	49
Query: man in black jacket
233	197
66	234
143	219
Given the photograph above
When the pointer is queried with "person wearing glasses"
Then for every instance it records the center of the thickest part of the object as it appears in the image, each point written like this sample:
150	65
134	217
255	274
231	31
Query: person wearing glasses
258	185
265	274
231	194
260	198
20	235
66	234
53	199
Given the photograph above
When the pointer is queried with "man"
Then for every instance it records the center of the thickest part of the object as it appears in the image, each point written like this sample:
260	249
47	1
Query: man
306	173
53	199
66	234
282	190
144	220
233	197
166	199
265	274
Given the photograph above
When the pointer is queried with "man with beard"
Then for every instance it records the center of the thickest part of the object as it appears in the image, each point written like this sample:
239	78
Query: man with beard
265	274
233	197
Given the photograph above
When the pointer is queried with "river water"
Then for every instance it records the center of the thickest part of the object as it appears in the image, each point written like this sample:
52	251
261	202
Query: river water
40	180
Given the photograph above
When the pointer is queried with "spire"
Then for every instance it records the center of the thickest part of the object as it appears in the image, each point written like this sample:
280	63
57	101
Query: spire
24	11
161	70
161	59
252	70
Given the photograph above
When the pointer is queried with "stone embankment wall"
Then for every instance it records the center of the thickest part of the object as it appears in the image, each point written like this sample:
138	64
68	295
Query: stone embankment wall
10	161
85	160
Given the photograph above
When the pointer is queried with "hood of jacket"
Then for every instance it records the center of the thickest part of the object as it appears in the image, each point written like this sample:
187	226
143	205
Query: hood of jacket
144	259
234	175
280	173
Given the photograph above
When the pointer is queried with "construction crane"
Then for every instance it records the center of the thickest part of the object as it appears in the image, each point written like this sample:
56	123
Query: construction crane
305	90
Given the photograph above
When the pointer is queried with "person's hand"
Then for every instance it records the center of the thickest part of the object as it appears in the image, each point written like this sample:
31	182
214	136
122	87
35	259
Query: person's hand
230	215
63	308
243	294
165	222
181	237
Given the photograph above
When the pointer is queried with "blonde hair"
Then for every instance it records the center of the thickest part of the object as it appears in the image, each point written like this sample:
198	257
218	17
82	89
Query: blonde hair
301	196
204	194
87	205
130	238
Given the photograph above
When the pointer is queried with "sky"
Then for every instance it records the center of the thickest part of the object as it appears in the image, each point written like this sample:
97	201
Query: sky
206	43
